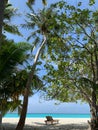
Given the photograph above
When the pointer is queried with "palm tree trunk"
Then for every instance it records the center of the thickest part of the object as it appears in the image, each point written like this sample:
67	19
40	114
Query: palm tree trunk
2	7
24	111
21	122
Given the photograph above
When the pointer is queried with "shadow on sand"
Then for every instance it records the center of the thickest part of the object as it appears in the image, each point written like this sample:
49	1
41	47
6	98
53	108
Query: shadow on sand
42	126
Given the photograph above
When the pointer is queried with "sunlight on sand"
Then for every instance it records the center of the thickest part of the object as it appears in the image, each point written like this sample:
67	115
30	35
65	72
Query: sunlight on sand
39	124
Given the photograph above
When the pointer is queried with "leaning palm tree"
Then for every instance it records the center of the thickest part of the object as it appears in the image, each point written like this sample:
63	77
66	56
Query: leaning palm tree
41	29
38	24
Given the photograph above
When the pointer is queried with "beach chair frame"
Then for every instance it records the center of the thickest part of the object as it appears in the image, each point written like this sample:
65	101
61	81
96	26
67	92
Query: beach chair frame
50	120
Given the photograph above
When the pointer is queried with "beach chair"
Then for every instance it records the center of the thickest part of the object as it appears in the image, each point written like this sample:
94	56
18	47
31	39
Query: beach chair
50	120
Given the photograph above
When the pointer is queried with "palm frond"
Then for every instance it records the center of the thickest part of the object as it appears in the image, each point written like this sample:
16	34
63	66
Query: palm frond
32	35
29	25
36	41
11	55
12	29
9	12
31	2
37	82
44	2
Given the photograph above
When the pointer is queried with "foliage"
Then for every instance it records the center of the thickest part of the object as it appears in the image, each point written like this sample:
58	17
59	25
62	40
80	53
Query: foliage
42	23
33	1
9	88
91	2
11	55
71	67
10	13
72	57
32	23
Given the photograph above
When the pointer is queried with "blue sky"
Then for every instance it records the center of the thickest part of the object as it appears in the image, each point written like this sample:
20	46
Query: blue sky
36	104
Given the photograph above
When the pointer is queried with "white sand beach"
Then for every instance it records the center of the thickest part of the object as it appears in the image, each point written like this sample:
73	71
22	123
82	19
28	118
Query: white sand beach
39	124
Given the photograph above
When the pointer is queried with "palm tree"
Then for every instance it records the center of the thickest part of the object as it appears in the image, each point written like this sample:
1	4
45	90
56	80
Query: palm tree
41	25
11	55
14	87
2	9
3	4
38	23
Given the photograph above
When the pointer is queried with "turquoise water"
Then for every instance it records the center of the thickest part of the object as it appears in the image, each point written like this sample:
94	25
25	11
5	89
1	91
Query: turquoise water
43	115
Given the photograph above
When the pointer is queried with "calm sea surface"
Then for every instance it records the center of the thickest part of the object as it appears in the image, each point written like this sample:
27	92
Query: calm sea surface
43	115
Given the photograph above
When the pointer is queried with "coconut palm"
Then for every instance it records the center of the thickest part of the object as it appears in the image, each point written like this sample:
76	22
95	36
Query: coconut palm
3	5
38	24
11	55
2	11
14	88
12	79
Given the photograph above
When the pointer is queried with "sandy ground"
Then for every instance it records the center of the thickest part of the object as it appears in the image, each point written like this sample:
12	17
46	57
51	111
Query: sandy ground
39	124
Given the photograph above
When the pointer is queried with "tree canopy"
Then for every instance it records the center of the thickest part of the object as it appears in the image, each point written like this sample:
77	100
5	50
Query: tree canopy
68	37
72	65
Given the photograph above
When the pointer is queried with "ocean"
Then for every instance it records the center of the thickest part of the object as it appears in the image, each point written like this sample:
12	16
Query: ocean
43	115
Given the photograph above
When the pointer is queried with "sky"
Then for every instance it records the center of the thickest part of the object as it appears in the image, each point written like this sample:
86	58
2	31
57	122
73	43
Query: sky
37	105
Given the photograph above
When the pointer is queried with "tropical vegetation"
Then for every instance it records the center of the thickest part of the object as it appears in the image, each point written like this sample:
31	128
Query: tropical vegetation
65	38
73	73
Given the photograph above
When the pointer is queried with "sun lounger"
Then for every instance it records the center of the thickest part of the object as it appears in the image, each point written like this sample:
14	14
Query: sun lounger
50	120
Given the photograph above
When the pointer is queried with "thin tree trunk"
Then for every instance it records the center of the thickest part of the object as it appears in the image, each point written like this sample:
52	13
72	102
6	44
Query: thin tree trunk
93	109
2	8
1	127
21	122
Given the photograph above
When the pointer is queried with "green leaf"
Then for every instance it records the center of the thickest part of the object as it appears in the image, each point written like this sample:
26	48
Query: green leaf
79	4
44	2
91	2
